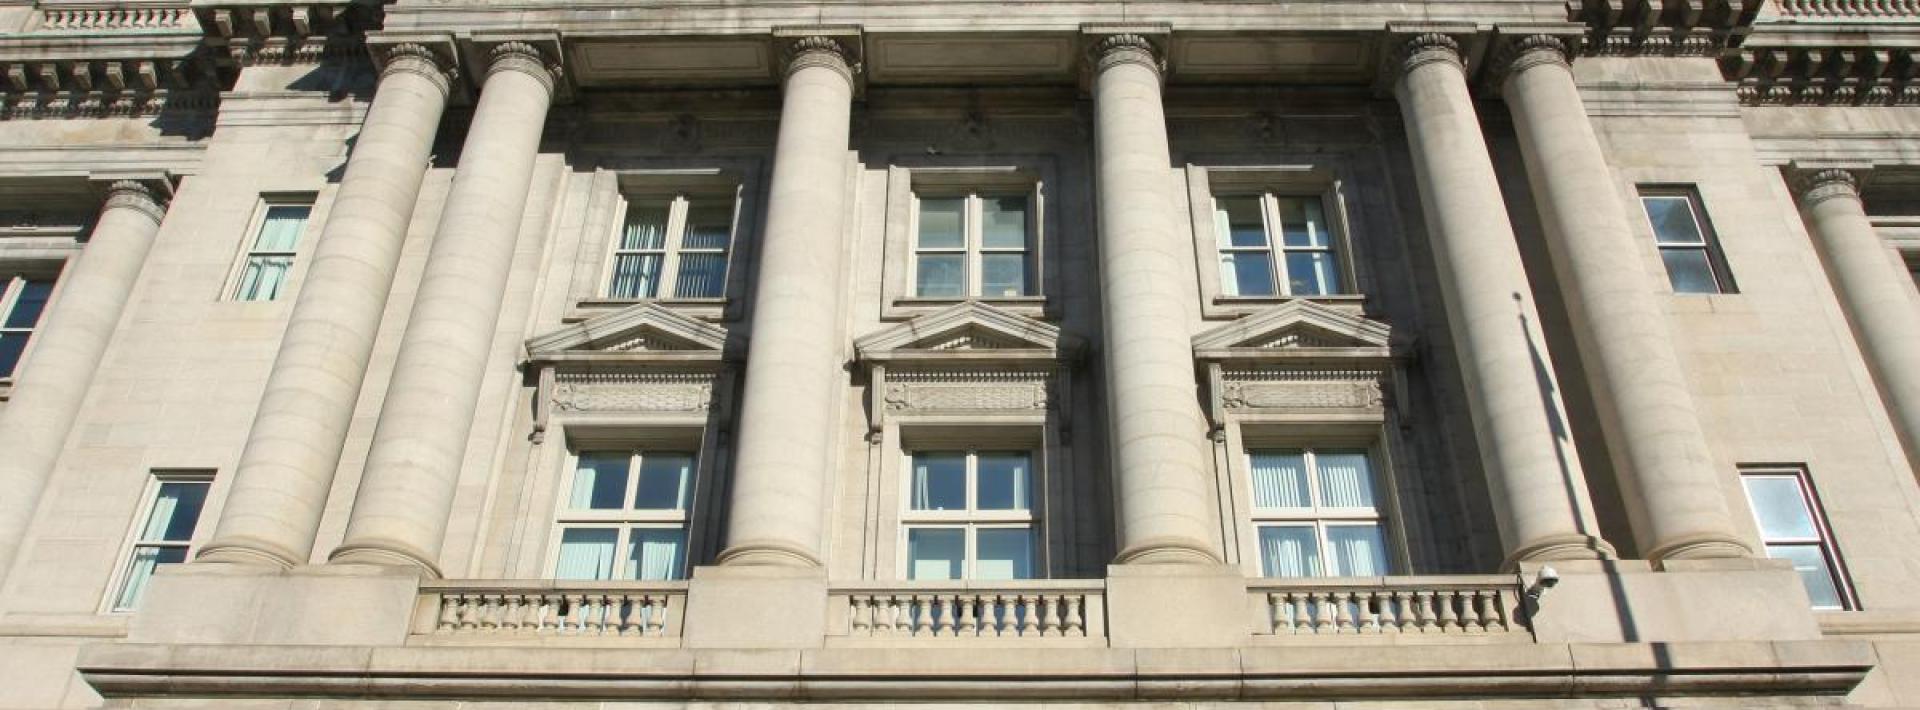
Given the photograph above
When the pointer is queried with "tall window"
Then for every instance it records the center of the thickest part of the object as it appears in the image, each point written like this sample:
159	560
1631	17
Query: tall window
1687	243
1792	528
270	255
969	515
625	516
973	246
22	299
164	535
673	247
1317	513
1274	245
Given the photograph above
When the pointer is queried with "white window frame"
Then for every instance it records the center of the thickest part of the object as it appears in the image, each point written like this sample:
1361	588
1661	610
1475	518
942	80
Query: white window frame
624	520
1708	244
1320	518
251	237
10	291
1823	534
672	247
972	519
1275	248
973	243
123	565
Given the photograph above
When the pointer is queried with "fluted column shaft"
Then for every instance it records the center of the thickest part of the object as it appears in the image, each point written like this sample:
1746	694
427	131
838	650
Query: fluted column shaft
406	494
1877	296
1160	460
286	469
1673	494
1540	494
794	368
74	331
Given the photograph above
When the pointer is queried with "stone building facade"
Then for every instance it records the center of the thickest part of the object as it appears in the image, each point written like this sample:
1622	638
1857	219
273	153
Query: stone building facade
460	353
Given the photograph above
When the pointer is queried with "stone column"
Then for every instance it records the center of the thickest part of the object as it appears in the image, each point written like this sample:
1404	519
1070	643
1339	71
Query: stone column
1875	294
400	513
795	374
1540	494
1673	493
280	487
1160	460
51	385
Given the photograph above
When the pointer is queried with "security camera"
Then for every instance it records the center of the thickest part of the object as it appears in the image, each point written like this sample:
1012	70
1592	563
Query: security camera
1546	579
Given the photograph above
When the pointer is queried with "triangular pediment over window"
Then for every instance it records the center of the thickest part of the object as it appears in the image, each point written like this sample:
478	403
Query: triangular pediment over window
1295	328
640	329
970	329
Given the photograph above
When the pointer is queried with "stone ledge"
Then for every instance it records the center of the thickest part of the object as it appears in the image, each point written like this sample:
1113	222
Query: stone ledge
1801	668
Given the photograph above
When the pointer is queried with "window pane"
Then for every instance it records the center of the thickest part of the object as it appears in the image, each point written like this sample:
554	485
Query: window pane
1312	273
1003	482
27	308
1346	479
1689	270
1003	275
1358	550
1301	223
1280	479
1672	219
176	510
263	277
600	480
664	482
140	572
1004	222
656	553
943	223
1781	507
646	227
635	276
939	481
935	553
1005	553
11	345
1289	551
1237	222
939	275
701	276
280	231
709	224
1814	571
1246	274
586	553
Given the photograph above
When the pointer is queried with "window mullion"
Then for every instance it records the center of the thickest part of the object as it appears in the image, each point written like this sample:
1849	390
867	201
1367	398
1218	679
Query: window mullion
670	247
972	241
1275	228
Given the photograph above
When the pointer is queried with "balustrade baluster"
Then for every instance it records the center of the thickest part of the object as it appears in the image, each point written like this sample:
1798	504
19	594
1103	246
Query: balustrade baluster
1323	613
1370	606
1449	619
1470	611
944	607
659	609
469	611
576	613
1494	613
449	612
859	622
1425	612
1029	615
1050	615
632	609
969	623
1344	613
1076	625
923	615
904	613
490	616
992	615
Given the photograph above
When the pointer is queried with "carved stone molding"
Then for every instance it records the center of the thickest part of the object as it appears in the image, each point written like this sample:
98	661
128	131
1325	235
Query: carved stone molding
524	58
136	196
1302	390
1422	49
1817	76
1528	52
1126	48
1816	186
821	51
1654	28
421	60
633	392
967	391
112	19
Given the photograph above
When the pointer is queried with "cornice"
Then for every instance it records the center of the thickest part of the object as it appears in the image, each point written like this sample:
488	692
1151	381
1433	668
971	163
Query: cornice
1796	76
1650	28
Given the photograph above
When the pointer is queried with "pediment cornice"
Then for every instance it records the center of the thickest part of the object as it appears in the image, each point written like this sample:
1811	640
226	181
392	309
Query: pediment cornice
638	332
970	330
1295	329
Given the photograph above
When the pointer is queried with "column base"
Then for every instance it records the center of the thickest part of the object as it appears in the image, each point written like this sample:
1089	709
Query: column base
1167	551
376	555
1700	547
250	553
1560	547
333	605
1177	606
756	606
767	554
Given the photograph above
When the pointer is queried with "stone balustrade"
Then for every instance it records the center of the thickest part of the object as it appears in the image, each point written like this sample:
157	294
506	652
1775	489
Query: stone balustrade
1847	9
472	608
1487	605
1030	610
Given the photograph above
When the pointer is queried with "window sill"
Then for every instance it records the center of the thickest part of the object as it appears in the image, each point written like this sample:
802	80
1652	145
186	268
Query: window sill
708	309
1236	306
905	308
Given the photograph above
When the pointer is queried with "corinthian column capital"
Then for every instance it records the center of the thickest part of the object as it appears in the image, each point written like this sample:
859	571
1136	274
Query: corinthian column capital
821	51
1128	48
135	195
1814	186
420	60
526	59
1528	52
1427	48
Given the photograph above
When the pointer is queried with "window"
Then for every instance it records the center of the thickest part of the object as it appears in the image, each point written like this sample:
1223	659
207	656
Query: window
1686	241
165	533
1274	245
969	515
625	516
1792	528
22	300
973	246
269	258
673	247
1317	513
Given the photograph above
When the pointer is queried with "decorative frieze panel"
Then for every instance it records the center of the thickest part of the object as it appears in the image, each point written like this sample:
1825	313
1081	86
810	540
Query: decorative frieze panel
967	391
1847	9
1302	389
633	392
